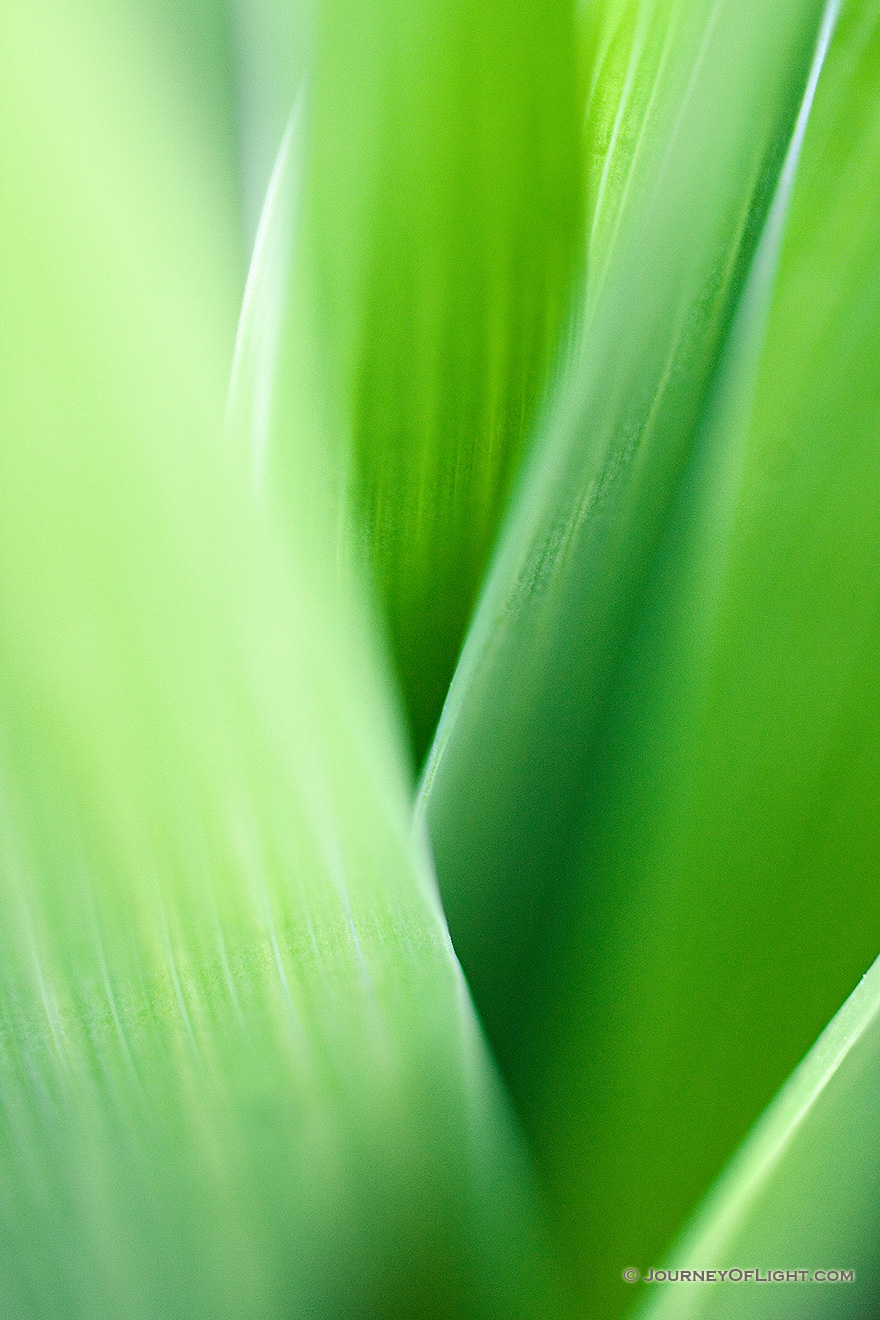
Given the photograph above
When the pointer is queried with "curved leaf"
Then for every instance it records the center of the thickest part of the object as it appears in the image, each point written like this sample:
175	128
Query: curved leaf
803	1191
727	891
441	206
556	847
704	125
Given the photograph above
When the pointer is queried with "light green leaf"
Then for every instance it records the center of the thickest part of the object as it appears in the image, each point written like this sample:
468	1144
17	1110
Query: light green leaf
703	118
440	218
803	1195
620	793
727	897
240	1074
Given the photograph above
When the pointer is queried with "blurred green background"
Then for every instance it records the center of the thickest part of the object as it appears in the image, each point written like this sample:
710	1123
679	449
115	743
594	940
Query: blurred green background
400	389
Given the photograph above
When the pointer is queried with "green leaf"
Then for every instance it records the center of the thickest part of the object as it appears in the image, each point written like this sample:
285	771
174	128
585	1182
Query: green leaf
440	220
704	115
640	784
801	1196
240	1074
727	895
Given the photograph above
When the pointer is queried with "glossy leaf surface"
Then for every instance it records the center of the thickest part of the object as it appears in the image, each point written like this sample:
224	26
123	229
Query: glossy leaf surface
620	793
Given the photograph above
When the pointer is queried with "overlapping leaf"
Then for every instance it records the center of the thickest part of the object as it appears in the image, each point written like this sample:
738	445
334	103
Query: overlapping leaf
239	1072
728	887
688	863
706	105
802	1197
